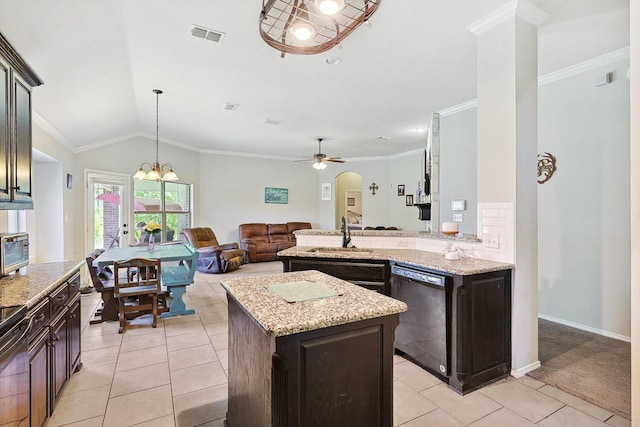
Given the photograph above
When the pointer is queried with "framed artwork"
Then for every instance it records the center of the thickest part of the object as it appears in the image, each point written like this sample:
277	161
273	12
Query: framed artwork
69	181
401	190
276	195
351	201
409	200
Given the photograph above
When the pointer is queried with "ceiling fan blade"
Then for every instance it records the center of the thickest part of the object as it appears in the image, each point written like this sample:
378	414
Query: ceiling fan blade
304	160
334	159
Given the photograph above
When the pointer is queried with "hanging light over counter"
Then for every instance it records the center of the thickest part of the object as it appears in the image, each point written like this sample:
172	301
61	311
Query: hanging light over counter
156	172
314	26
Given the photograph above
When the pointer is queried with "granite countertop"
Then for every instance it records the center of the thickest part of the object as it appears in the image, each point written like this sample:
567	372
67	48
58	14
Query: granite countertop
29	284
392	233
424	259
278	317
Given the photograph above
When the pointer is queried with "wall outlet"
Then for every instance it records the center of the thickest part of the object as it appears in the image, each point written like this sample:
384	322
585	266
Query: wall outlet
491	240
457	217
402	243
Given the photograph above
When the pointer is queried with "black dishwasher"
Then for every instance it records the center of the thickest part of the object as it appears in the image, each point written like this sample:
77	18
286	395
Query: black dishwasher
424	332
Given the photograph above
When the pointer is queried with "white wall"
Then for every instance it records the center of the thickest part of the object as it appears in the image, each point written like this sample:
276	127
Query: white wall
46	221
231	192
405	169
584	243
375	208
458	167
67	205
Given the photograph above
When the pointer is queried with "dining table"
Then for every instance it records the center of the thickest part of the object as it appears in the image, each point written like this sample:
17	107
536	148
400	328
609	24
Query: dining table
166	253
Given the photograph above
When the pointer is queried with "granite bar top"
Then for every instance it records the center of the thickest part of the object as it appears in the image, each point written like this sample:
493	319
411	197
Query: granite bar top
392	233
424	259
278	317
31	283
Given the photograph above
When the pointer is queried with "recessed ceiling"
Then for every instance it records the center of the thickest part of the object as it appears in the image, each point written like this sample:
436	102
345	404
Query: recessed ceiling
100	61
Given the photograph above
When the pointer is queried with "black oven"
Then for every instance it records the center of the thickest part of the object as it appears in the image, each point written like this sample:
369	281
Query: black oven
14	367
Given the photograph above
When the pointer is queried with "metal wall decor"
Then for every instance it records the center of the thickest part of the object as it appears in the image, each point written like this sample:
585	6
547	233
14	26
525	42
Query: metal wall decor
308	27
546	167
373	187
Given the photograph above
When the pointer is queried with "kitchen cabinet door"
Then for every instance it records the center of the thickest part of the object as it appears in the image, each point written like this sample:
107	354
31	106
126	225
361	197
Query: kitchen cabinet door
5	87
39	379
58	358
22	144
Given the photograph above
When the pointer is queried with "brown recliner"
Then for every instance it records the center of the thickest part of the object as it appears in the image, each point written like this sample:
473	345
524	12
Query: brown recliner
213	257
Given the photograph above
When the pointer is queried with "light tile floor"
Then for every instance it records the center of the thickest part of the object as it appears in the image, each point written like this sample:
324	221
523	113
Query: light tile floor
175	375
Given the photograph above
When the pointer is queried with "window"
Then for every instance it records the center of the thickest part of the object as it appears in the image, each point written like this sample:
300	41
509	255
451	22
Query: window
167	203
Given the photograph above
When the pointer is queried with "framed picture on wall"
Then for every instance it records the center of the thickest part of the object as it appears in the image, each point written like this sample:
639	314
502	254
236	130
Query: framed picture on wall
401	190
409	200
351	201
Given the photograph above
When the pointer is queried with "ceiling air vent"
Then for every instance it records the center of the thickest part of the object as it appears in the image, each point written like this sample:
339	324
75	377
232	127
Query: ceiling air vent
207	34
231	107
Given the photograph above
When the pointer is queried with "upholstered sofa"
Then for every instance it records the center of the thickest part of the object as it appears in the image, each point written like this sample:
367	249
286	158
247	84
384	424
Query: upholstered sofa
213	257
261	242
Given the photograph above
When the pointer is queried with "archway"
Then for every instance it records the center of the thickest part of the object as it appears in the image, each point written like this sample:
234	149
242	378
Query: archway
348	200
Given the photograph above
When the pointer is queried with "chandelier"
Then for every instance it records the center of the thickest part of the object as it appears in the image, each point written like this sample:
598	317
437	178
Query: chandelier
156	172
314	26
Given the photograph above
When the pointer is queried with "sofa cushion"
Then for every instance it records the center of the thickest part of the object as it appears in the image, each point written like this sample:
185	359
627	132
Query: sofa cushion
255	231
278	233
294	226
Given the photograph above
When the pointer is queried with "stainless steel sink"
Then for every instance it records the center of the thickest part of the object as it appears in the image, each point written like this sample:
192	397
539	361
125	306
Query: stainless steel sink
340	250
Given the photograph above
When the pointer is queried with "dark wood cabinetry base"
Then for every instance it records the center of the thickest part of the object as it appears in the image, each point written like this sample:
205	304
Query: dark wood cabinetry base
340	375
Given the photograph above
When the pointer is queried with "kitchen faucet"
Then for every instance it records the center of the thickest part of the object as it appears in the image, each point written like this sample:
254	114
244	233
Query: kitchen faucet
346	235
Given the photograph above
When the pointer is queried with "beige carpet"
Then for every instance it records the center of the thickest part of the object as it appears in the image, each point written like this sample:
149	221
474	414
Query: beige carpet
592	367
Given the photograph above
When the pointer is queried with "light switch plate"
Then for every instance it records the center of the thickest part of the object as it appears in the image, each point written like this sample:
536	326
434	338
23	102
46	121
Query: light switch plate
457	217
458	205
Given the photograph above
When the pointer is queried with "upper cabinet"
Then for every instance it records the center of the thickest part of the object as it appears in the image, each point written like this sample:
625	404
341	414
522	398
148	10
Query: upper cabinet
16	81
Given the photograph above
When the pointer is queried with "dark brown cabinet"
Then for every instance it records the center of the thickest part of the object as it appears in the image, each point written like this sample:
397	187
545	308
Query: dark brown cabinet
16	81
340	375
370	274
481	329
54	347
461	331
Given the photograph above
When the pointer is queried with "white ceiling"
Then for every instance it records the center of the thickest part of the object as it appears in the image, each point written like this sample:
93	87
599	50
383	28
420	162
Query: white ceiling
101	59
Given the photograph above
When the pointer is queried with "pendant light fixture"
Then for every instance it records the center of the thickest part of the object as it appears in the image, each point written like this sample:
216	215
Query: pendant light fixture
156	172
301	27
314	26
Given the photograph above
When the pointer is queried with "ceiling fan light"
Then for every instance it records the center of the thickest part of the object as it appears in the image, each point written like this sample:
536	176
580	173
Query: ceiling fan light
319	165
329	7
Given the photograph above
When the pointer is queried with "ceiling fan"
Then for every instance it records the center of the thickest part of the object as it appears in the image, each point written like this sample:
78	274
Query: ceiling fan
319	158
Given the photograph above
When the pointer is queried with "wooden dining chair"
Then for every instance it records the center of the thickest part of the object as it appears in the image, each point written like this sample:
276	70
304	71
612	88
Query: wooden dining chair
137	283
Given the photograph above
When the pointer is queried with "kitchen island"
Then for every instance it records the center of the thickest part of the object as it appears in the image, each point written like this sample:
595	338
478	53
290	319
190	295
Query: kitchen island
458	322
323	361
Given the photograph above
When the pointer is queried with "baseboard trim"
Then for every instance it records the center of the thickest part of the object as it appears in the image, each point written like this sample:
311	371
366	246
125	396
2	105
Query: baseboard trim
521	372
585	328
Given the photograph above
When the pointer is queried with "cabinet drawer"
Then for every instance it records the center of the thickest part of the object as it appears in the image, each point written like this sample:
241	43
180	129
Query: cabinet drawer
74	285
59	299
360	271
41	316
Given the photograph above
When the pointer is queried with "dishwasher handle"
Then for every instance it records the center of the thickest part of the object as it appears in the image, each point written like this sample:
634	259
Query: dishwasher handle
418	276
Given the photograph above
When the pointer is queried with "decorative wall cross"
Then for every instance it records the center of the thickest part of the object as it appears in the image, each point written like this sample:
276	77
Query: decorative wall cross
373	187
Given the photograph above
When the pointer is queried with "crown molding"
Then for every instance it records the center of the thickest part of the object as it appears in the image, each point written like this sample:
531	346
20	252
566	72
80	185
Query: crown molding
43	124
581	67
458	108
520	8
